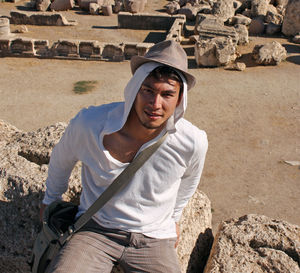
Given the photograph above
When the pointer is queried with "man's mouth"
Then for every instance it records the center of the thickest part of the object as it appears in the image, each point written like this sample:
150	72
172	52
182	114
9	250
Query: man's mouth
153	115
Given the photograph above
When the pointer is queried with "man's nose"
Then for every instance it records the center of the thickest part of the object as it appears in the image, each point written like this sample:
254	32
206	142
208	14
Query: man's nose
156	101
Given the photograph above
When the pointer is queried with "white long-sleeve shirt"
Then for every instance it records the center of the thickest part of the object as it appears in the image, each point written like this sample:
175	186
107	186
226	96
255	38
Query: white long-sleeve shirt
154	199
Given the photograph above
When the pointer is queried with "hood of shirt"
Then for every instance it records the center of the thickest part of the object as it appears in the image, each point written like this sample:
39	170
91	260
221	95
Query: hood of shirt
119	114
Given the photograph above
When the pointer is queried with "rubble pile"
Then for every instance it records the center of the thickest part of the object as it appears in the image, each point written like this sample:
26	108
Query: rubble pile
236	20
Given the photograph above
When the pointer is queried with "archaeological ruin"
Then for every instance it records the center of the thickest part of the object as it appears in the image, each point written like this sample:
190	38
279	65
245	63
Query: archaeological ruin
212	32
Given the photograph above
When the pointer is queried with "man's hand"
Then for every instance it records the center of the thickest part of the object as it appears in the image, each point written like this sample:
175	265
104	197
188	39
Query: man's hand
43	206
178	234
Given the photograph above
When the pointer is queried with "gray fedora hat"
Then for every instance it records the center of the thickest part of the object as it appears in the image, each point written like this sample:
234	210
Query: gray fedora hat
168	53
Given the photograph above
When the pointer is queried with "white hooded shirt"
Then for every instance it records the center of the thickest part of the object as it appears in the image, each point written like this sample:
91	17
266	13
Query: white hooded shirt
154	199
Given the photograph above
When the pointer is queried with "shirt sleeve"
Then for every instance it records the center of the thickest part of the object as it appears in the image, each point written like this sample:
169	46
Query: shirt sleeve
191	177
61	164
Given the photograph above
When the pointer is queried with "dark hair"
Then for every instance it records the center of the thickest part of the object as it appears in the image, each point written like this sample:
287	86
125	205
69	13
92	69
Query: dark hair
169	72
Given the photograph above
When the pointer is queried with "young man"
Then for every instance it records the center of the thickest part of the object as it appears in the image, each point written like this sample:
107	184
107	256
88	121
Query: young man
138	227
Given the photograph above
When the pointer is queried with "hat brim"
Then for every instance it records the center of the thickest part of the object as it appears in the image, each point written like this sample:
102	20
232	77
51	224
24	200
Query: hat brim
137	61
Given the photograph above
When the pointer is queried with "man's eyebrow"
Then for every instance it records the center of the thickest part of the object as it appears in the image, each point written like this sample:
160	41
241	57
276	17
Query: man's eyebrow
150	87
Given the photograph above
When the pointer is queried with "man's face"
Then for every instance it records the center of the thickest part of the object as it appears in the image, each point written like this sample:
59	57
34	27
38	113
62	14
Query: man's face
156	101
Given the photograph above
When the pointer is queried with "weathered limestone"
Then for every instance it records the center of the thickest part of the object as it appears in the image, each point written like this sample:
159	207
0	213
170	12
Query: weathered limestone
257	26
215	52
189	11
22	179
71	49
274	17
291	21
113	52
224	9
4	27
271	29
94	9
107	10
66	48
61	5
42	5
259	7
255	243
209	26
269	54
175	32
196	234
90	50
172	7
23	171
147	21
238	66
22	46
41	47
40	18
4	47
134	6
296	39
85	4
240	19
139	49
242	32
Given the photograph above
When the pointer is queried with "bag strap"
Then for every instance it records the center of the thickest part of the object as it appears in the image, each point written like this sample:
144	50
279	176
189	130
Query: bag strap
119	183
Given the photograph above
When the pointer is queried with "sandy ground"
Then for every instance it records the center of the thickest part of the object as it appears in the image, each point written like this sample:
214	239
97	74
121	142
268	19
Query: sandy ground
252	118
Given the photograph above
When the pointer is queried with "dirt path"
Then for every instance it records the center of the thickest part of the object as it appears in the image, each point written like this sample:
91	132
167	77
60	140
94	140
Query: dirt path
252	119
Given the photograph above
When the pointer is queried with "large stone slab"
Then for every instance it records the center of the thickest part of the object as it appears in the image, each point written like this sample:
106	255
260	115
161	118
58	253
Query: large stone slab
255	243
209	26
39	18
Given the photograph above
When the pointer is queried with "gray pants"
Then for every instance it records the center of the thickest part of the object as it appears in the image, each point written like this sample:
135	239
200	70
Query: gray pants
97	249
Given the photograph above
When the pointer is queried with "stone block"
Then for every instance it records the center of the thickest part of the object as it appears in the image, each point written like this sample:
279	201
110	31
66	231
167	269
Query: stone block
22	46
65	48
272	29
40	18
134	6
107	10
240	20
146	21
94	9
4	27
85	4
90	49
223	9
175	32
269	54
189	11
4	47
62	5
130	49
42	5
257	26
219	51
243	36
209	26
255	243
143	48
259	7
172	7
113	52
41	47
